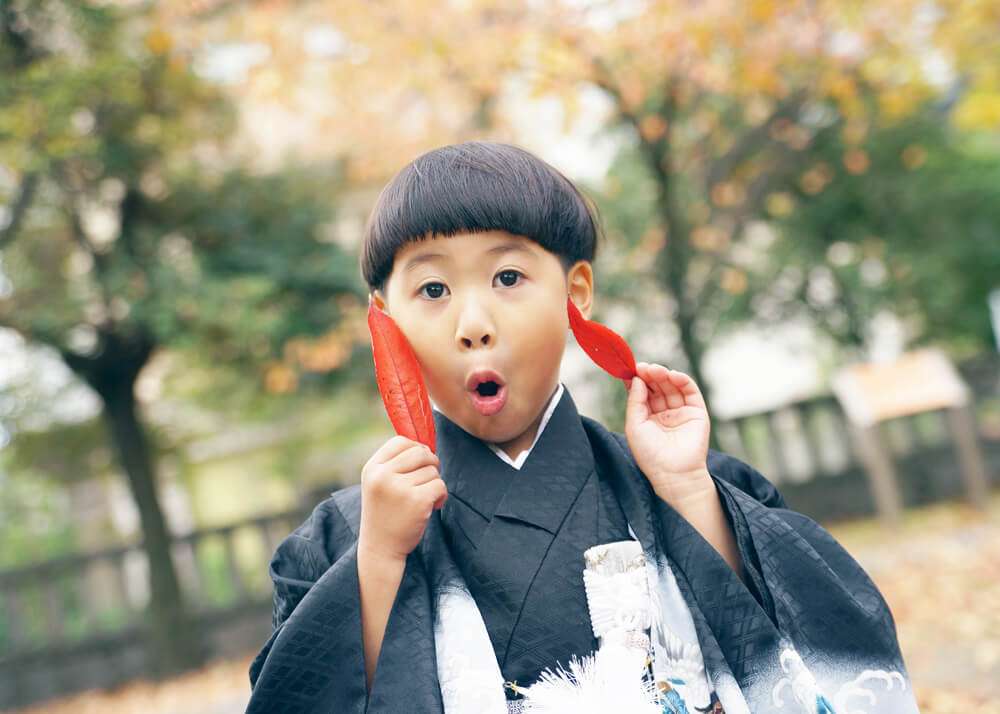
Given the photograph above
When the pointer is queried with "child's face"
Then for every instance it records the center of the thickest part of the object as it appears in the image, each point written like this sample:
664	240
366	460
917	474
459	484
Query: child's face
486	301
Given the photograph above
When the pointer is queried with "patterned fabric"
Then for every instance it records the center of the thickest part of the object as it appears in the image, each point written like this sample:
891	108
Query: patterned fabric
809	632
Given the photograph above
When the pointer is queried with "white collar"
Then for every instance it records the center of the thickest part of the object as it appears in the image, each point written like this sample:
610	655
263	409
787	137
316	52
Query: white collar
519	461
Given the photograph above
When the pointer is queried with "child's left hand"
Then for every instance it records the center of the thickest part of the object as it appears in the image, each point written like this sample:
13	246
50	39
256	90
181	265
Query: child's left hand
667	427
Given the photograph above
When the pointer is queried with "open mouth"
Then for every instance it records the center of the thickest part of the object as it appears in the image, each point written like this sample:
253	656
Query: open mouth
487	391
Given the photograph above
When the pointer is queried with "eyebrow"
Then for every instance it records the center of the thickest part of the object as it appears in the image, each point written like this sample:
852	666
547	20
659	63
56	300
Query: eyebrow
502	248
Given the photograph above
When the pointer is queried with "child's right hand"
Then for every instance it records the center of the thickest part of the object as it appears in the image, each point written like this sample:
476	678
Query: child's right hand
400	489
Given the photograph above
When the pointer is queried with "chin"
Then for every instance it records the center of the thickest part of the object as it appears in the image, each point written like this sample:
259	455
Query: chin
492	428
486	429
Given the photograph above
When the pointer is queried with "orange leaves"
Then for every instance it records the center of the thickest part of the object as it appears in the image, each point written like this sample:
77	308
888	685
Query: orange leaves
279	378
815	179
914	156
158	41
652	127
856	161
728	194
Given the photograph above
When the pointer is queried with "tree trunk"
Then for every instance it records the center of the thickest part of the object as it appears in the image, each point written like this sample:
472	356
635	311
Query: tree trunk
175	645
672	263
673	276
172	636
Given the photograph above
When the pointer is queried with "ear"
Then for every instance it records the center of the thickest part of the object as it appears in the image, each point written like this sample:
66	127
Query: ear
580	286
376	296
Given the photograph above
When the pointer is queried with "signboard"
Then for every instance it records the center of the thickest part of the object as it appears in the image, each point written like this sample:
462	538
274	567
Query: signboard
919	381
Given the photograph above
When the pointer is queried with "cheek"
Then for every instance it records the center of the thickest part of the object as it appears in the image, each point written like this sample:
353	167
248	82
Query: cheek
542	336
422	344
427	344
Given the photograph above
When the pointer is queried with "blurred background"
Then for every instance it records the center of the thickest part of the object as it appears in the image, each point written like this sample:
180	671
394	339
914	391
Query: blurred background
790	191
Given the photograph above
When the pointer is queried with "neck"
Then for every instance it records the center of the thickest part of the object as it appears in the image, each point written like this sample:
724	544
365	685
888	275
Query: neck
515	446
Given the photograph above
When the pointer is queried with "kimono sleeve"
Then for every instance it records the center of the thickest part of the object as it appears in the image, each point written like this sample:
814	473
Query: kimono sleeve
737	474
314	655
745	477
805	580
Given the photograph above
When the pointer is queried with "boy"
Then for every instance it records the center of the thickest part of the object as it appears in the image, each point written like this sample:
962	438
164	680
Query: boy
451	582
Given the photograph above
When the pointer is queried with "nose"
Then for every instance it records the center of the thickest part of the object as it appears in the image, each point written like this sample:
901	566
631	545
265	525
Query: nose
475	326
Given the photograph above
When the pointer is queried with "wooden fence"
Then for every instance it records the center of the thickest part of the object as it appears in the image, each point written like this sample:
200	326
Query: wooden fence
76	622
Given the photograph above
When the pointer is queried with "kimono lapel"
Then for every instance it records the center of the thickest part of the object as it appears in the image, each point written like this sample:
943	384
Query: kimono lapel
547	483
467	669
508	528
736	637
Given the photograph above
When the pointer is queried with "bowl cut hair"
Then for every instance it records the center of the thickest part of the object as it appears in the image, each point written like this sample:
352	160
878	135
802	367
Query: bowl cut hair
474	187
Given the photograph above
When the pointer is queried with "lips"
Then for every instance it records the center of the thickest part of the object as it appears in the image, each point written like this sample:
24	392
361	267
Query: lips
478	376
487	390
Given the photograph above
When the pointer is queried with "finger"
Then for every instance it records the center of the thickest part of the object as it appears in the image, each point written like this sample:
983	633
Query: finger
444	496
687	387
435	489
657	397
642	371
412	458
422	475
636	410
392	448
661	377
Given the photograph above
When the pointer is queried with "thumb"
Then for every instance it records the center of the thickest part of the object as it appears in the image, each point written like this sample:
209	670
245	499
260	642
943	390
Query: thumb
636	408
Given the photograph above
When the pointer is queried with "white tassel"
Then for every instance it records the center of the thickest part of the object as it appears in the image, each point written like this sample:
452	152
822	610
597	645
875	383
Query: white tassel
610	680
606	681
617	587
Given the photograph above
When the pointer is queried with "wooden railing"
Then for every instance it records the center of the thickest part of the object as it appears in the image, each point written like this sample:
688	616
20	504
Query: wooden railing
78	621
811	439
809	450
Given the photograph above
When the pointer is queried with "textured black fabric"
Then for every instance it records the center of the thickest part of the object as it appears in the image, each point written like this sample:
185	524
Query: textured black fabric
518	540
519	536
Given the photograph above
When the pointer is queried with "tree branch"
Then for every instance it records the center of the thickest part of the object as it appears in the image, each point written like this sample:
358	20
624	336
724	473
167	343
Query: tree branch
20	205
785	163
17	37
101	267
752	140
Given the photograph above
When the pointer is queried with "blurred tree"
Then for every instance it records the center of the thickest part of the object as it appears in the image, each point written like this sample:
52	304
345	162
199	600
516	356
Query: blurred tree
122	232
909	220
724	102
730	107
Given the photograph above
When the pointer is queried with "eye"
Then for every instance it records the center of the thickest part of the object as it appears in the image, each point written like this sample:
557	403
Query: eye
434	291
508	273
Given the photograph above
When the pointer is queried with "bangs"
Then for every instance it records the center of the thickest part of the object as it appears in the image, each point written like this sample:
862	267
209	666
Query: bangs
476	187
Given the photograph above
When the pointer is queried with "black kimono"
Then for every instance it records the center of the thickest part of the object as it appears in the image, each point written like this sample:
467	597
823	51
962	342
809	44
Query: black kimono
809	632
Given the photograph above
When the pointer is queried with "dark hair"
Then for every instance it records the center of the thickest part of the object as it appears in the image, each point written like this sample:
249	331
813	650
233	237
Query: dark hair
473	187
